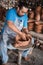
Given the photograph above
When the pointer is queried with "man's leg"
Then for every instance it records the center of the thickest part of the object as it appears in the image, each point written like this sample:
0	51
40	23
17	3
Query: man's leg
4	48
4	53
29	51
26	52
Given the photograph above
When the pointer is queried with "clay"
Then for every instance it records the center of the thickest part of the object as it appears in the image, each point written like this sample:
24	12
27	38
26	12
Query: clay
30	26
19	42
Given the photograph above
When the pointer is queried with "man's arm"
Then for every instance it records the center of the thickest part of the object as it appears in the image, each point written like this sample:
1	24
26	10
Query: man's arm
14	28
10	18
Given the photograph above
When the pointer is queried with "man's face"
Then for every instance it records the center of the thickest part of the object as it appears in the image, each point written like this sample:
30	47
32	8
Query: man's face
22	11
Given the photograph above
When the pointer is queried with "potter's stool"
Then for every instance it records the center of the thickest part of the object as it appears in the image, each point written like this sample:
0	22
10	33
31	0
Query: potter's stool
20	51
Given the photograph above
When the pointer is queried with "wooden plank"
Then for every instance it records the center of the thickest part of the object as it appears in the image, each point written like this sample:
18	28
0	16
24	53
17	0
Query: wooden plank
41	41
37	35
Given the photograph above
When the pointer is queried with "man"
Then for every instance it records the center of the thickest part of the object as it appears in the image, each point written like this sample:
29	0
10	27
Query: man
16	19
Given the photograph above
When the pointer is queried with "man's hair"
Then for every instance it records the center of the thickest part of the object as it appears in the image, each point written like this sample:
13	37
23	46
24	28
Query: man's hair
21	4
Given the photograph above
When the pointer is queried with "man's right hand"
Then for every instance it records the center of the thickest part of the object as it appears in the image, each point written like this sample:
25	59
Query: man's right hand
23	36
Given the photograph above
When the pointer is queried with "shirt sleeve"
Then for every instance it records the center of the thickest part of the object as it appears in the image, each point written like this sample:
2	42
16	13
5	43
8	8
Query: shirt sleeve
25	22
10	16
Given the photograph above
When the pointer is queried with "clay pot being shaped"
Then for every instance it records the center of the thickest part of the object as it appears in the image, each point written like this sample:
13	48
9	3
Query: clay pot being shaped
22	43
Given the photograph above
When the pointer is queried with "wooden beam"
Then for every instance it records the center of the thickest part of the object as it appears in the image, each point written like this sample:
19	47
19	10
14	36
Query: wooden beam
37	35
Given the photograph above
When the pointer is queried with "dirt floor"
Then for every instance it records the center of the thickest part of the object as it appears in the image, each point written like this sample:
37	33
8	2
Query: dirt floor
36	58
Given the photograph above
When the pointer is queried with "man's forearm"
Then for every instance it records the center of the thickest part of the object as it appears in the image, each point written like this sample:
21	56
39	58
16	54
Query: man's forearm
14	28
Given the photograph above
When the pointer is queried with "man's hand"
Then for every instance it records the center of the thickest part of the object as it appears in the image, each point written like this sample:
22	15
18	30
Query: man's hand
23	36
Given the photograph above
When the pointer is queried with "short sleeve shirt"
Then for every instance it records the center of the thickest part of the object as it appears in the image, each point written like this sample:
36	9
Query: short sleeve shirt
19	21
